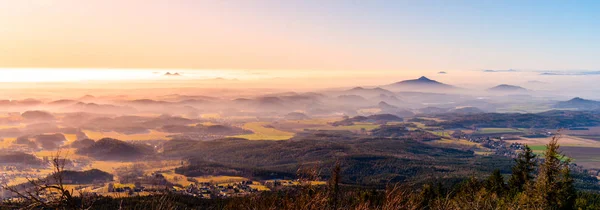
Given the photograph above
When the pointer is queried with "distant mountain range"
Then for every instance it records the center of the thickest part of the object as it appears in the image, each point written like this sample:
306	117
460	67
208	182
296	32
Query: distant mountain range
507	88
457	110
578	103
368	92
172	74
422	83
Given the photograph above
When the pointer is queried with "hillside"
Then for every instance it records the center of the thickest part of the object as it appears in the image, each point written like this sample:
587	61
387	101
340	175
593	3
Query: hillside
377	118
507	88
19	158
37	115
578	103
86	177
421	84
370	161
113	149
366	92
550	119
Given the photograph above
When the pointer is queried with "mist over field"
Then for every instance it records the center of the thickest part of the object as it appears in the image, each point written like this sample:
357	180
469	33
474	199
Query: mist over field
137	134
311	105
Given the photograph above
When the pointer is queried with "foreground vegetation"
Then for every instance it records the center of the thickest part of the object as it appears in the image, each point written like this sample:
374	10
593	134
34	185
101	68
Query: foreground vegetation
534	183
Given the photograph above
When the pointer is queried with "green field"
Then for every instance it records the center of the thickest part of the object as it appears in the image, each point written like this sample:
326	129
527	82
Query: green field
499	130
445	133
541	149
538	149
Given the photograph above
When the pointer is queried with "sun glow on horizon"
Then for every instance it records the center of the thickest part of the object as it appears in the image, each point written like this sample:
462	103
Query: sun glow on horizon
34	75
68	75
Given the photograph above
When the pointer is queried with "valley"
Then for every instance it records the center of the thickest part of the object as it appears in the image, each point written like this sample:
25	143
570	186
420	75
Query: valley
213	147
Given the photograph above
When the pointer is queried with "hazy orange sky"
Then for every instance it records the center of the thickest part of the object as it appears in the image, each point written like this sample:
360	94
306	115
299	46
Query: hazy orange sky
299	35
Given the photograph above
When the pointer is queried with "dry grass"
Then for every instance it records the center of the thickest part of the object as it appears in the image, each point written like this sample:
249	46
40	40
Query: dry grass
70	138
499	130
220	179
182	180
263	133
211	115
8	126
6	142
153	135
68	152
109	166
259	187
177	179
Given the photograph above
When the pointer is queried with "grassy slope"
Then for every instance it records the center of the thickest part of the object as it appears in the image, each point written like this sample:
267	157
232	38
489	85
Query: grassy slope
263	133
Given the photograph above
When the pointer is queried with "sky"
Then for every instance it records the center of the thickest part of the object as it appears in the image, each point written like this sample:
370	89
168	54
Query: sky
304	35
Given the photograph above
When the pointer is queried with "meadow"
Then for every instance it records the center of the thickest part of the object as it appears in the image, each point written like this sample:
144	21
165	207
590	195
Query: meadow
264	133
499	131
152	135
358	126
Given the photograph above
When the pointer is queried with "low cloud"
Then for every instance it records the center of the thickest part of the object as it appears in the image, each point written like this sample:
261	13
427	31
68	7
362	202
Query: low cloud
569	73
505	70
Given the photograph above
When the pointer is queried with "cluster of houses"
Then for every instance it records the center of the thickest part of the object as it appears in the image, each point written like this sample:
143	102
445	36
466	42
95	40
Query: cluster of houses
201	189
5	177
497	143
501	147
209	190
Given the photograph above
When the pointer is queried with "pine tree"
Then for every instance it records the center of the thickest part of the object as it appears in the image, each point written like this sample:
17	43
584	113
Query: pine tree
567	195
334	188
553	188
495	183
522	172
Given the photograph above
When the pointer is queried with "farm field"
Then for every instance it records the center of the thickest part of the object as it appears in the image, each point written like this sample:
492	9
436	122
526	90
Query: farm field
322	124
64	152
294	126
444	133
588	157
483	153
592	133
30	174
498	130
565	140
356	127
264	133
182	180
6	142
9	126
220	179
152	135
211	116
584	152
538	149
70	137
432	118
462	144
108	166
423	126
